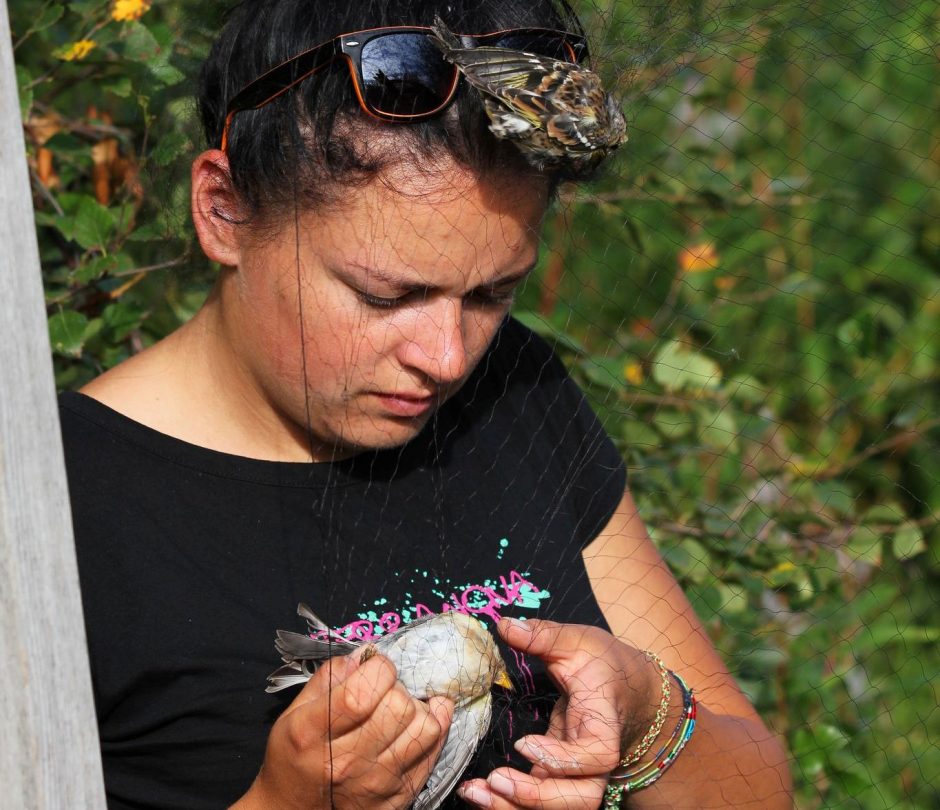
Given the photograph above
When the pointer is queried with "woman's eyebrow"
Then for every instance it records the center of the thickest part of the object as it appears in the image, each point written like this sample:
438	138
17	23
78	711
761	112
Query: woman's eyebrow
404	285
513	278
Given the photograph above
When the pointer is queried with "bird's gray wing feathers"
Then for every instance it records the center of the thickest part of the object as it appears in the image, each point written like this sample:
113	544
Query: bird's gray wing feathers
292	674
314	622
468	727
295	646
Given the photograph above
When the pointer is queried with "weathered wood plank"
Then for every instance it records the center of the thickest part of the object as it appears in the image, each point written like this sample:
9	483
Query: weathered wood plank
49	755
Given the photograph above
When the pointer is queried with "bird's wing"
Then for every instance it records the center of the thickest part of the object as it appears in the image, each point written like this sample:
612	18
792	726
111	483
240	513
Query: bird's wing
297	647
469	725
314	622
292	674
301	656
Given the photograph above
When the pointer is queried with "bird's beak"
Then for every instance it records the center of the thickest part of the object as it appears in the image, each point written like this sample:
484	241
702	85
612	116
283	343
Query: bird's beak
502	679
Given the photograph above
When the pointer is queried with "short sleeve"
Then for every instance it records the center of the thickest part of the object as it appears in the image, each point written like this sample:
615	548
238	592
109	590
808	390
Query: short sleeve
583	472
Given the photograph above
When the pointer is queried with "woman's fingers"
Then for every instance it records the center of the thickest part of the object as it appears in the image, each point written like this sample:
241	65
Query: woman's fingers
592	756
508	789
421	742
525	790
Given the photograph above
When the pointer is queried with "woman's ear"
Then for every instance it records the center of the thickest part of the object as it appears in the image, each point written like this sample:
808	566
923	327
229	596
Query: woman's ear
216	208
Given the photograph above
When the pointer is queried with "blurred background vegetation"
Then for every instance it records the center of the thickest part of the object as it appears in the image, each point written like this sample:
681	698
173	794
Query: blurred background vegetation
750	295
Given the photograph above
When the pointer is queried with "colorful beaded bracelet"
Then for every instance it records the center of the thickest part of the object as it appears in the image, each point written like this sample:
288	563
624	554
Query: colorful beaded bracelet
624	781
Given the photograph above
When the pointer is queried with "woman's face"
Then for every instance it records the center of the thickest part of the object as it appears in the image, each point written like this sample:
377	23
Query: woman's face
360	321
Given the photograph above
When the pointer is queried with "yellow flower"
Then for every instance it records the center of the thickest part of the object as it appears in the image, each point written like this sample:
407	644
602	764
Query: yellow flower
633	373
698	258
77	50
127	10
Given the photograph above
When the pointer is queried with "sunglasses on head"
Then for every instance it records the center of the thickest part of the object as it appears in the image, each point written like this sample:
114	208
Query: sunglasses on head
398	73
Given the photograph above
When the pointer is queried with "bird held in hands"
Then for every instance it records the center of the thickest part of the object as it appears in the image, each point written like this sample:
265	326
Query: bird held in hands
556	112
447	654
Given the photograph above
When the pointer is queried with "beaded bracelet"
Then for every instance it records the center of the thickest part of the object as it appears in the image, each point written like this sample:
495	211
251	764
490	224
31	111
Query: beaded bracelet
660	720
624	781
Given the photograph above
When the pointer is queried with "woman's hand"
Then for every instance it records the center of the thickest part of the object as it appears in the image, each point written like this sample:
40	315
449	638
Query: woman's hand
609	697
352	738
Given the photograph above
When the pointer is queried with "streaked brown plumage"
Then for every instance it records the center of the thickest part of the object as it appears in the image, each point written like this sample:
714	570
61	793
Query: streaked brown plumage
556	112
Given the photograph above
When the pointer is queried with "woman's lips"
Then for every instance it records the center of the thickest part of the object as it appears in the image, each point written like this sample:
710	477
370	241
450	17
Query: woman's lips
409	405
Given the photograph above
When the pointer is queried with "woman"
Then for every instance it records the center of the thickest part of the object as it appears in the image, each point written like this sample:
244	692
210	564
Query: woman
353	420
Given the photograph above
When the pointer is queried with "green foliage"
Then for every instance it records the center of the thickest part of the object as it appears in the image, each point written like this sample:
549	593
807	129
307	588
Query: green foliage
779	411
110	131
751	297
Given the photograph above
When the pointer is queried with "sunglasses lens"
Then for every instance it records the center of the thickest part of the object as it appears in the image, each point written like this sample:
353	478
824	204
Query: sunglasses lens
405	74
542	43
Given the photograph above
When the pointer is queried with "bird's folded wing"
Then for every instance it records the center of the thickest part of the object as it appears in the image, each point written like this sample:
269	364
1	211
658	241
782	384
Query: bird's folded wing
468	727
294	647
494	68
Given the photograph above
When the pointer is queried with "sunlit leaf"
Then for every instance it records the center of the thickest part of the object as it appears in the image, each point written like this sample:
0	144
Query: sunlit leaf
67	332
679	368
908	541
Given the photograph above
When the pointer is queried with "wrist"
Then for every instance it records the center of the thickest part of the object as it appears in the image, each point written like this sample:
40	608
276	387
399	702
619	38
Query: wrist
262	796
653	702
631	776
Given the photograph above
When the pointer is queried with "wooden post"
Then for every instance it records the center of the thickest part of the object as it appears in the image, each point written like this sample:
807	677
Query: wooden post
49	757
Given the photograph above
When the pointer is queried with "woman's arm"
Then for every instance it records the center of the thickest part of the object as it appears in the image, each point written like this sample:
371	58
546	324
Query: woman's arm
732	759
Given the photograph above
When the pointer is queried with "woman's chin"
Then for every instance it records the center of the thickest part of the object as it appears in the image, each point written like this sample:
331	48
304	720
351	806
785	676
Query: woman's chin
376	433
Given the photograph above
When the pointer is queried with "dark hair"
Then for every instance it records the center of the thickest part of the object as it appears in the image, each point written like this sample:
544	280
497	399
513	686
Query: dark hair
312	142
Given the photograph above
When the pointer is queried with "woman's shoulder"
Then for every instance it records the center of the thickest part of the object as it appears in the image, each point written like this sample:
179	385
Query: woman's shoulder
143	387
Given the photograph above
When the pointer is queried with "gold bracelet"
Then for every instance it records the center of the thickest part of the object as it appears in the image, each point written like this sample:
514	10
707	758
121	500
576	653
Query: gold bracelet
659	721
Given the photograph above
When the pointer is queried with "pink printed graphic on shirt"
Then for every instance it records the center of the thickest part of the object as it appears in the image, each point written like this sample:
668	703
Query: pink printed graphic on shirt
485	600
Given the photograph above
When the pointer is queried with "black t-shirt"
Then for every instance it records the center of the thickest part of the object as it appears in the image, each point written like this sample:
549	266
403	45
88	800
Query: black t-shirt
190	560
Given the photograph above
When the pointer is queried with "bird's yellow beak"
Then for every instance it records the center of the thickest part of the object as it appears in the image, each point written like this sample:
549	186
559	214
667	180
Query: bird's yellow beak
502	679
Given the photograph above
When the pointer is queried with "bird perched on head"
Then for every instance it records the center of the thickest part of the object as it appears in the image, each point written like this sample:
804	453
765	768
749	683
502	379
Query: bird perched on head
556	112
447	654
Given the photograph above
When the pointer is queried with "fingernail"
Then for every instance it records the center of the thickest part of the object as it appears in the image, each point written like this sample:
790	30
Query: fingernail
533	751
530	749
502	785
519	624
475	793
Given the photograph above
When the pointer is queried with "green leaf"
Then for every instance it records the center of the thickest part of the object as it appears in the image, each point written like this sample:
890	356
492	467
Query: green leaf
807	754
166	74
139	44
732	597
23	78
551	333
49	15
120	86
865	545
639	435
98	266
747	389
65	143
678	368
888	512
607	372
718	429
67	333
673	424
700	564
93	225
122	318
908	541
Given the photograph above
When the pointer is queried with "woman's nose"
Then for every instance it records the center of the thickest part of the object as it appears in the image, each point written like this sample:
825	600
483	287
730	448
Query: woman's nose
438	348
